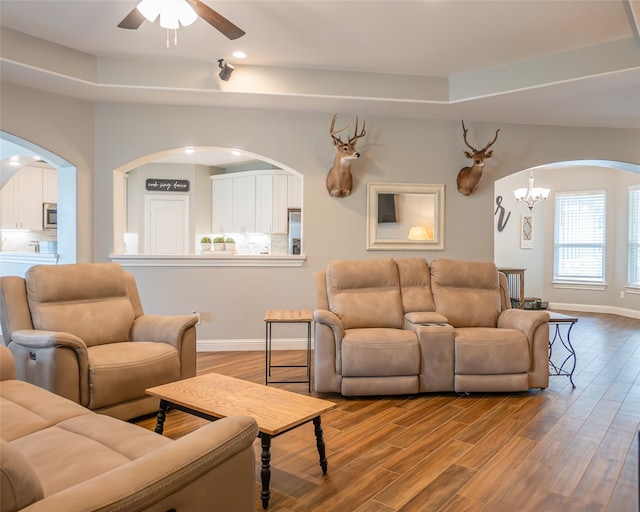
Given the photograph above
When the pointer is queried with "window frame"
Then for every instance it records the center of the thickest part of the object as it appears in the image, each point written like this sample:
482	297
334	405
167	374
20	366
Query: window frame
601	246
633	237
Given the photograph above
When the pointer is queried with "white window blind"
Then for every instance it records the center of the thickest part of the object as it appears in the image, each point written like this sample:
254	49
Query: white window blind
579	236
634	236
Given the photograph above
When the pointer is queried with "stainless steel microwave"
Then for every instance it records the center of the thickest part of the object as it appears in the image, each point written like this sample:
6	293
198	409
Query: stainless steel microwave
49	216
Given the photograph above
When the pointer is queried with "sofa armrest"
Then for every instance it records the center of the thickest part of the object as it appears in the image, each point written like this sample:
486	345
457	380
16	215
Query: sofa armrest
34	338
164	328
327	351
7	364
525	321
214	464
414	319
34	352
331	320
535	325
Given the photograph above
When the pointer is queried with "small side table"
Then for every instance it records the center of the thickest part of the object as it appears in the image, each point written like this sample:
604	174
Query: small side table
569	361
287	316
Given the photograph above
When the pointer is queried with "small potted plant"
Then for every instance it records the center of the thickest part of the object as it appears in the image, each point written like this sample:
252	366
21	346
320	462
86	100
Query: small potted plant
230	244
205	244
218	243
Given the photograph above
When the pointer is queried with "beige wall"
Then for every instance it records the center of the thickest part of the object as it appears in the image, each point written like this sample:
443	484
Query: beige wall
233	300
64	126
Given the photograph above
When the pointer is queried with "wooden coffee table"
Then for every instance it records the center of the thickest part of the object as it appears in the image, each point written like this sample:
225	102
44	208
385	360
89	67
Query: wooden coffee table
213	396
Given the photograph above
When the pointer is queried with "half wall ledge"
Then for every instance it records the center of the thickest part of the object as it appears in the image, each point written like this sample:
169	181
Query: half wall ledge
199	260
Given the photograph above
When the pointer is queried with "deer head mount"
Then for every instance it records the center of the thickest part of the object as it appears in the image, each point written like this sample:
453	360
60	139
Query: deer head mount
469	177
339	179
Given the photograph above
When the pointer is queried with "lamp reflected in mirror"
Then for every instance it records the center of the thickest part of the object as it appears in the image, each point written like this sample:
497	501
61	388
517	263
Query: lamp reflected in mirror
420	233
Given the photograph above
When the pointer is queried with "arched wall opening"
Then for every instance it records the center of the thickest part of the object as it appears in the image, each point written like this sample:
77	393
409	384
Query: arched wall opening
67	189
213	159
536	256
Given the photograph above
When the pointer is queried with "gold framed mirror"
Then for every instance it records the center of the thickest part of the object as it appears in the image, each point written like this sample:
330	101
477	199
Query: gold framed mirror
405	216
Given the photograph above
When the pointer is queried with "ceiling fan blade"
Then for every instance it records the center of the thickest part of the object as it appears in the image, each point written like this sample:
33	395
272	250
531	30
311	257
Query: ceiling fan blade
133	20
216	20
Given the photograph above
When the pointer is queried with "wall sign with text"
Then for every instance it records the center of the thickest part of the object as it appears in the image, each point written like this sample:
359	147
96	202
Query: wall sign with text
163	185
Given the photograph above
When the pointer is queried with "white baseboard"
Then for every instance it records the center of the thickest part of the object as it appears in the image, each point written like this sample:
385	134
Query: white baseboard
251	344
590	308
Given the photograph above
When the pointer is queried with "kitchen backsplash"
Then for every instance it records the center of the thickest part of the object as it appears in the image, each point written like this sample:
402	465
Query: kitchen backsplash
25	241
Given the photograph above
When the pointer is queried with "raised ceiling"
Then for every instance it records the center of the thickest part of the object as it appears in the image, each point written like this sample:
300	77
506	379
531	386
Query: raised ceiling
572	63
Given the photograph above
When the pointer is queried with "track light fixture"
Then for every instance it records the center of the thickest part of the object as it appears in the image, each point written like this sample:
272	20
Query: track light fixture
226	70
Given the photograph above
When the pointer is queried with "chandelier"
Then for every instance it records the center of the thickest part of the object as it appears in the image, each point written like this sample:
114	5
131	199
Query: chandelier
531	195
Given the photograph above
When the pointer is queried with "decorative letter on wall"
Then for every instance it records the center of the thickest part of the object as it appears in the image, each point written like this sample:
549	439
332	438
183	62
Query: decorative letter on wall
502	222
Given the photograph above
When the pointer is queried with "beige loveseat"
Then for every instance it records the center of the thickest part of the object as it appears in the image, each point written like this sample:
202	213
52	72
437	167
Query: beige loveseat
57	456
79	330
386	327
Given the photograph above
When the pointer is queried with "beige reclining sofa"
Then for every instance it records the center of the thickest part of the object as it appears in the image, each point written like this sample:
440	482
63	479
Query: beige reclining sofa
57	456
388	327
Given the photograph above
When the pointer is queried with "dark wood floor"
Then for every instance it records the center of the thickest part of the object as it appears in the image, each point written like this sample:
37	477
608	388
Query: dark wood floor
559	449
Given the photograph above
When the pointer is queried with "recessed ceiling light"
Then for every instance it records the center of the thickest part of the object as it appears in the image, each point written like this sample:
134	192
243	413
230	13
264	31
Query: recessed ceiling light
239	54
189	150
236	152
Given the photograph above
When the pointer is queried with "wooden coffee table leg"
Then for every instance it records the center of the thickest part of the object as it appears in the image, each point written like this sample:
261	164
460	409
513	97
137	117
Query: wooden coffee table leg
162	414
320	444
265	472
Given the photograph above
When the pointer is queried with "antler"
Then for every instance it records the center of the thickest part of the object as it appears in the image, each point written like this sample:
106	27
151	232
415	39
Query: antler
464	132
491	143
357	135
337	140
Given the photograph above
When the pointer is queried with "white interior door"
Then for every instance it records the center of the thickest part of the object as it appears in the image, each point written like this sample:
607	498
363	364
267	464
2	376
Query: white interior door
166	224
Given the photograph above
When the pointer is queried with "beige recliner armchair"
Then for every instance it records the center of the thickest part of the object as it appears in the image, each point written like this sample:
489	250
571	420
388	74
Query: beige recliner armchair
79	330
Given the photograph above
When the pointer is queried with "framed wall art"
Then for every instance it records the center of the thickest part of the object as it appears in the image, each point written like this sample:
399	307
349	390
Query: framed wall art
526	231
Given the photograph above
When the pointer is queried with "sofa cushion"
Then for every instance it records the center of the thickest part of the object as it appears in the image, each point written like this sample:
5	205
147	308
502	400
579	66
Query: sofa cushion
83	447
488	351
146	364
365	293
466	292
380	352
25	408
19	484
415	283
101	311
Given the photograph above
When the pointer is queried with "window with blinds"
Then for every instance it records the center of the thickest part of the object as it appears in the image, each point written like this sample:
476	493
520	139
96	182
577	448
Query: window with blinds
579	236
634	236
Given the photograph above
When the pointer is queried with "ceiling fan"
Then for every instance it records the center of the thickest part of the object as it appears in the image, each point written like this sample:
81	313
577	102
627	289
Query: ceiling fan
135	18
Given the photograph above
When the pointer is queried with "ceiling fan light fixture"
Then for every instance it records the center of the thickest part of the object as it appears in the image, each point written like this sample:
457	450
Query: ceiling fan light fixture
150	9
173	13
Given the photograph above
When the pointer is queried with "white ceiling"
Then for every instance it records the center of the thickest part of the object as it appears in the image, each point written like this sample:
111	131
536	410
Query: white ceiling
549	62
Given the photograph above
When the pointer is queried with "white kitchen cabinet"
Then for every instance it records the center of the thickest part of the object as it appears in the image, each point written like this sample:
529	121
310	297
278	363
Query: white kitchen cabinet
294	191
244	204
250	202
222	204
271	203
233	203
22	200
49	185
